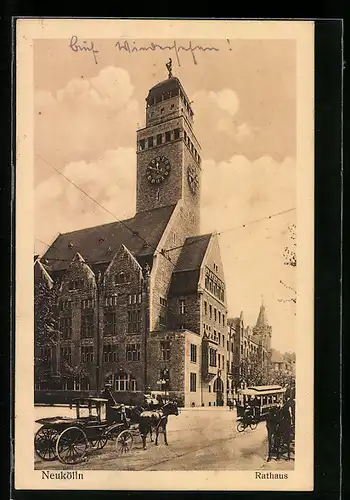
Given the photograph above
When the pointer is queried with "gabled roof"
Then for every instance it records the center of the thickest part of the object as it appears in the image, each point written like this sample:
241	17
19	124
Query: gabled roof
184	283
99	243
186	274
41	273
192	253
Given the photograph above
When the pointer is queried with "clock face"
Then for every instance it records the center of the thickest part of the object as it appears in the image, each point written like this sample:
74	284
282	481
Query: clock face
193	179
158	170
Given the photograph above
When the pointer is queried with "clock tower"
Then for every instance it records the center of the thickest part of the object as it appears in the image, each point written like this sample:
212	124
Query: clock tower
168	153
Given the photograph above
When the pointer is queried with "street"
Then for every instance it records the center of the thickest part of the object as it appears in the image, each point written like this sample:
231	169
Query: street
199	439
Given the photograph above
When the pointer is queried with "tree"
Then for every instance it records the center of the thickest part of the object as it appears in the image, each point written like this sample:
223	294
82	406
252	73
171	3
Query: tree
253	371
290	259
290	256
45	328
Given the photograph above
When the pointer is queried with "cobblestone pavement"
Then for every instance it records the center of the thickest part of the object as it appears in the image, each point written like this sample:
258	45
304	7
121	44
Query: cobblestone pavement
199	439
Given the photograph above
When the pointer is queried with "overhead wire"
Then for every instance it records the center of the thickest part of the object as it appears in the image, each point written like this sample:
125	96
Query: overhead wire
162	252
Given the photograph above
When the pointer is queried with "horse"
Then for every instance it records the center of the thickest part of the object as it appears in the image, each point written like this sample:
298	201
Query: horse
272	422
156	419
279	430
284	429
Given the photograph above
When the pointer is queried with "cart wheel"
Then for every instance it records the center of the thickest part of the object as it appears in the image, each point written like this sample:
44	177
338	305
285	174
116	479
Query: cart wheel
72	445
99	443
45	443
240	427
253	426
124	442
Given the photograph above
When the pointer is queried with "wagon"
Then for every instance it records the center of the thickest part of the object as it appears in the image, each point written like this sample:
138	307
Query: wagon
69	439
265	397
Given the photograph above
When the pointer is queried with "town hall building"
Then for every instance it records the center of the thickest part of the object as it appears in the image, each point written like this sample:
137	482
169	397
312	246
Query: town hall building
142	302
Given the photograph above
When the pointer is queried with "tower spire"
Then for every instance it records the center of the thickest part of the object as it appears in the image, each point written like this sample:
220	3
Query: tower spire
262	317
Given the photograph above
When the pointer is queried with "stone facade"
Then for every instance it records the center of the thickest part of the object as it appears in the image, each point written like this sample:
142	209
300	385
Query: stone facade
130	311
252	345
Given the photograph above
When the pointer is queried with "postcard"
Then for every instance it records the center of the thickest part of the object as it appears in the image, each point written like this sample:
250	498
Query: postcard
164	259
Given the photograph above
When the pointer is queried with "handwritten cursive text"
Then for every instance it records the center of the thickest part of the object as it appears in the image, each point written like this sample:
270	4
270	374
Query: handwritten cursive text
83	46
130	47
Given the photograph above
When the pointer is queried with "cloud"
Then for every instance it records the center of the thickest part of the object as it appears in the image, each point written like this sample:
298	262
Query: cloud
238	192
84	119
243	132
217	124
226	99
110	180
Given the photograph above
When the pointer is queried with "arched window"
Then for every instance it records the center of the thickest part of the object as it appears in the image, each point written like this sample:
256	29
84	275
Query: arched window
218	385
124	382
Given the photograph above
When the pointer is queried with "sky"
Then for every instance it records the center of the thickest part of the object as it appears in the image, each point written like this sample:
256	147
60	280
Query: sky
87	111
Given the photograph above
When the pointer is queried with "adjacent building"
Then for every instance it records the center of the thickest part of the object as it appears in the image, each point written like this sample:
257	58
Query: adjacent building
251	351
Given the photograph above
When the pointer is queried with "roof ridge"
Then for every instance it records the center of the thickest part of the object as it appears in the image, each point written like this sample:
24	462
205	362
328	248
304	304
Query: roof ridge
120	221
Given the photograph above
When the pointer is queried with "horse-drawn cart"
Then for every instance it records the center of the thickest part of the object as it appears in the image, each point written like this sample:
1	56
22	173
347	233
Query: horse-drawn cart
69	439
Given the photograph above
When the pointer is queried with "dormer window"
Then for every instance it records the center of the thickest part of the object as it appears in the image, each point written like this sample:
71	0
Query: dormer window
120	278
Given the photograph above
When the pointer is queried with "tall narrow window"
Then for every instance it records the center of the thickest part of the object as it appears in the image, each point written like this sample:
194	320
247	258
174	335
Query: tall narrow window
214	313
193	382
150	142
167	136
165	350
210	311
134	321
182	306
66	327
177	133
133	352
157	194
205	307
110	323
193	353
66	354
87	325
110	353
159	139
121	383
87	353
212	357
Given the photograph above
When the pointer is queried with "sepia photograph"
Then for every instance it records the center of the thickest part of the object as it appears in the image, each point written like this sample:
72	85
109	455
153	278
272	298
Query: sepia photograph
164	261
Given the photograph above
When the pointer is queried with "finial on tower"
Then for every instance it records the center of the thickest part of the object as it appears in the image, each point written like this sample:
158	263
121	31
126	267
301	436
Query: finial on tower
262	300
169	67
